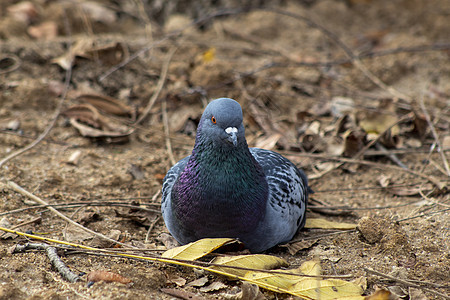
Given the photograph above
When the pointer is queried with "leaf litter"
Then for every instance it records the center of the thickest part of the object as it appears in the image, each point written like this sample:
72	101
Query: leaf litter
317	112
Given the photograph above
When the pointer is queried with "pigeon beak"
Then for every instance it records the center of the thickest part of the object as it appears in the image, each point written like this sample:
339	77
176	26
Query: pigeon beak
232	135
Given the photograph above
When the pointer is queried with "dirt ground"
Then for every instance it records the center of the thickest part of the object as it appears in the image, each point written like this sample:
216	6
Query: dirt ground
318	80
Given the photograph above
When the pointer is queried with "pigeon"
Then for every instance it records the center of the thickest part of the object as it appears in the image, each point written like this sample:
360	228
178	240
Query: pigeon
225	189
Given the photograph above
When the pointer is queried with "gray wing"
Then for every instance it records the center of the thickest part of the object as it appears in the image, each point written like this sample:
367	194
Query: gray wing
288	191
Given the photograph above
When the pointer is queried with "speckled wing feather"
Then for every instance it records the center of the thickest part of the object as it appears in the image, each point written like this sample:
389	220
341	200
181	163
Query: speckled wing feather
288	188
169	181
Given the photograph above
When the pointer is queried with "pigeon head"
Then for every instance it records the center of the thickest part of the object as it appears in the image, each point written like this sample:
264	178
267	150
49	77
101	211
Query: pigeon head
221	124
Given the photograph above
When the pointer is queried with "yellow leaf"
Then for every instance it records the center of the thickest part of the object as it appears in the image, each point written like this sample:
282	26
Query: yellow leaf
197	249
209	55
256	261
315	288
311	267
274	282
325	224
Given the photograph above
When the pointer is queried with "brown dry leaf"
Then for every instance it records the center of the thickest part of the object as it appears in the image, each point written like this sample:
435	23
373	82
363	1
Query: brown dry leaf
354	141
182	294
106	104
251	292
44	31
179	117
167	240
197	249
139	216
107	276
268	142
420	126
215	286
412	190
325	224
254	261
110	54
67	60
98	126
293	248
97	133
198	282
85	113
74	233
179	281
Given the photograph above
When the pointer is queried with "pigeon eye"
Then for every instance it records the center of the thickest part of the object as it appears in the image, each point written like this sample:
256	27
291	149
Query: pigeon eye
213	120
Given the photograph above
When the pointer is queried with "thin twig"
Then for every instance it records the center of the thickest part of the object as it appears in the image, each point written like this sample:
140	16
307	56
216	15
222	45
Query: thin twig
150	228
78	204
391	156
160	85
430	178
49	126
56	262
406	282
22	191
199	21
435	135
166	131
424	215
358	63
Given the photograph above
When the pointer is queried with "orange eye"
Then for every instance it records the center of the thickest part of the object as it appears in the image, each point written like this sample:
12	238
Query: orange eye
213	120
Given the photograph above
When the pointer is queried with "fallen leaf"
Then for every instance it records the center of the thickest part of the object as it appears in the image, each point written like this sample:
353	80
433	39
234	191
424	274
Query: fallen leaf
268	142
293	248
197	249
67	60
255	261
215	286
412	190
179	281
209	55
251	292
354	141
106	104
198	282
182	294
325	224
313	288
167	240
107	276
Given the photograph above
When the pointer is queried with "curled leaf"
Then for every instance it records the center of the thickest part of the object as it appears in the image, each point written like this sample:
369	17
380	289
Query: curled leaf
106	104
107	276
